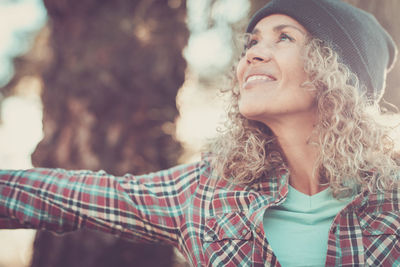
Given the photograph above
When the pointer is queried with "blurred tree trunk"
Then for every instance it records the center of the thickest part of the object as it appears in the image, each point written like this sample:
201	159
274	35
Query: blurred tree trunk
109	103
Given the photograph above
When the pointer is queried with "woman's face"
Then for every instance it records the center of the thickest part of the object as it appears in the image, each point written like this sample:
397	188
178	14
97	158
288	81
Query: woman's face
271	72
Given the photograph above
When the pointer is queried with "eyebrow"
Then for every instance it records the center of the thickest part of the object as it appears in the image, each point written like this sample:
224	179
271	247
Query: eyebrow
279	28
282	26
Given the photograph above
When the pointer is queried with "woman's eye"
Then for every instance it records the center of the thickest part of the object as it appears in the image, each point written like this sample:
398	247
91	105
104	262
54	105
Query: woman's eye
285	37
250	44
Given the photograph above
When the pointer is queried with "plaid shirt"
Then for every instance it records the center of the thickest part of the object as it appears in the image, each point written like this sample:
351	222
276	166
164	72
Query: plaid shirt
211	221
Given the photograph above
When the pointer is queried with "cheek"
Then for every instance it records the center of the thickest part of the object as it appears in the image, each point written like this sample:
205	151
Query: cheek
291	65
298	69
240	69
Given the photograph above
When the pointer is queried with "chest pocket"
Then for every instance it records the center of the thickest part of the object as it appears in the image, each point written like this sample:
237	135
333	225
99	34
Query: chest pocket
228	239
381	238
381	223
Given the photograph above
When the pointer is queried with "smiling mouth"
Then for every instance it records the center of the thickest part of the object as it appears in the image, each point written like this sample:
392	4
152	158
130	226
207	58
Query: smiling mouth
259	78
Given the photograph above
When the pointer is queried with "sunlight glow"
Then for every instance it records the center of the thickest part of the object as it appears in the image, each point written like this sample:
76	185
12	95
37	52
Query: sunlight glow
17	20
20	131
208	51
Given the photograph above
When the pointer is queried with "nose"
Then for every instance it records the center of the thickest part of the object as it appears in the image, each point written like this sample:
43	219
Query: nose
258	54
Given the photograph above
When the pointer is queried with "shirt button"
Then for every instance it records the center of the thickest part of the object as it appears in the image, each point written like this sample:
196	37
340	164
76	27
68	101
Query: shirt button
208	238
244	231
258	230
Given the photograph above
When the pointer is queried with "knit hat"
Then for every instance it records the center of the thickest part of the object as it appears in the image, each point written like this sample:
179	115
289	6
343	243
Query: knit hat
358	38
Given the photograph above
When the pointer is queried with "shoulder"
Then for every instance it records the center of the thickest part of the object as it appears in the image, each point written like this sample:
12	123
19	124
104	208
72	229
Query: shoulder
191	170
380	201
182	172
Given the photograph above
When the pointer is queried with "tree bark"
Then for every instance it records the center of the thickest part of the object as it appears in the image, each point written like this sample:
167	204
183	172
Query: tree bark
109	103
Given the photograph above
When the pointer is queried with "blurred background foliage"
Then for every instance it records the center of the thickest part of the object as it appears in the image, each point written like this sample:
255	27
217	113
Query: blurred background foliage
108	74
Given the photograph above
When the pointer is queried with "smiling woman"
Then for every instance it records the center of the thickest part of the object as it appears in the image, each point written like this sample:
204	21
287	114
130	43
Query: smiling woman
271	74
304	175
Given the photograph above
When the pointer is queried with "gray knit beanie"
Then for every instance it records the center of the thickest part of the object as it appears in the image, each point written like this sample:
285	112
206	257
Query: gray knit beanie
361	42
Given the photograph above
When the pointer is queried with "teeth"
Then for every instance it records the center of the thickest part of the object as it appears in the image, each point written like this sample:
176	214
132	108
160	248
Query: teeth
259	77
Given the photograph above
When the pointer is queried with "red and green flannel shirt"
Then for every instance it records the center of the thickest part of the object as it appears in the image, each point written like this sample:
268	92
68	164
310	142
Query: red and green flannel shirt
211	221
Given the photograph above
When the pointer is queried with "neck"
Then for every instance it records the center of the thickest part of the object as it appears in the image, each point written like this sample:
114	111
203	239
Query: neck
295	139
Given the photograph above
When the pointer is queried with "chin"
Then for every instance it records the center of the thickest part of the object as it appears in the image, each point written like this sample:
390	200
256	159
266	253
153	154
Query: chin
250	115
245	112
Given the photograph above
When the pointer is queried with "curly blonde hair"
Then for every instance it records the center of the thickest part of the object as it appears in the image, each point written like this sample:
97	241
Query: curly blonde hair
355	150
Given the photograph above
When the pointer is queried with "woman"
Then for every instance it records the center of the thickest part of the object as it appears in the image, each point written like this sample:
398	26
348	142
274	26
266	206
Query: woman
303	176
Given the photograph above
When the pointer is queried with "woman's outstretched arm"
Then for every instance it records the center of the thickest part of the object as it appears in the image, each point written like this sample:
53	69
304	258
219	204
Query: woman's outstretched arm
148	207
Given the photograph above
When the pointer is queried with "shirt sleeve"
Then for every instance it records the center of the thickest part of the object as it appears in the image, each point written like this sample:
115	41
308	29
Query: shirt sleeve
149	207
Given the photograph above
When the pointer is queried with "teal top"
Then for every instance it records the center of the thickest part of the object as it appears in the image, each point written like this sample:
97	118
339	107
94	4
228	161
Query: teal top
297	230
